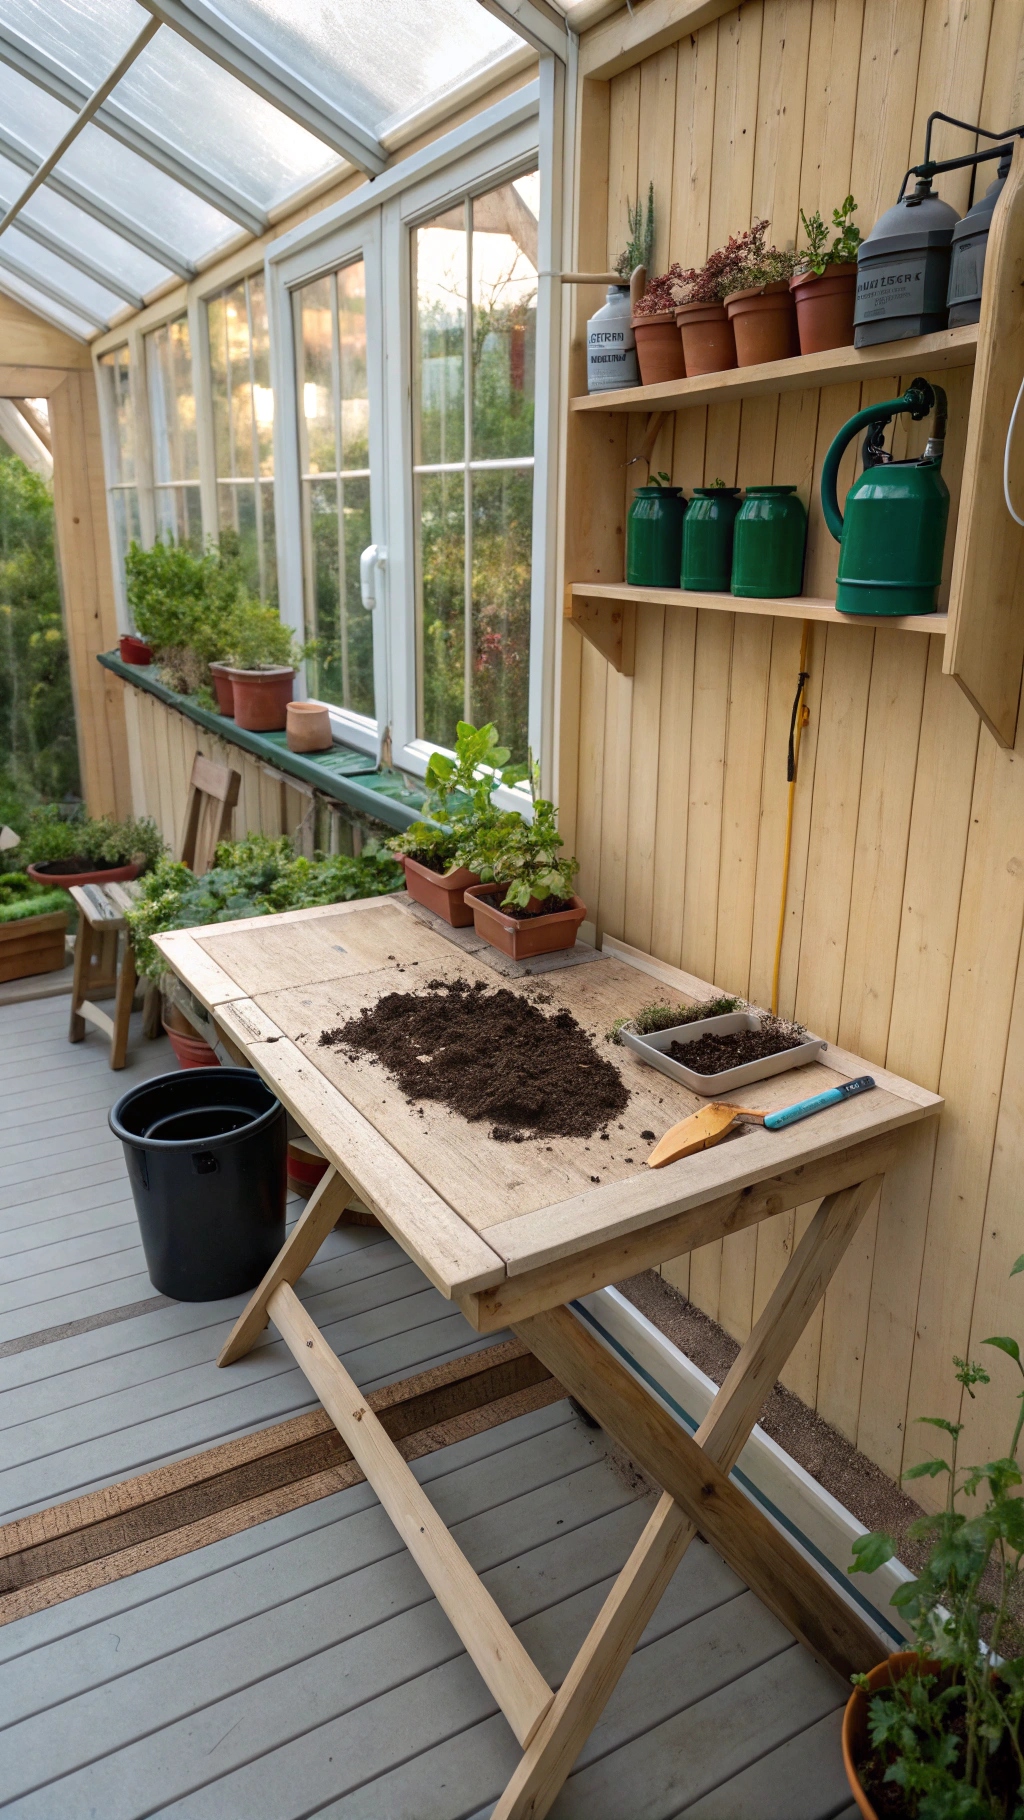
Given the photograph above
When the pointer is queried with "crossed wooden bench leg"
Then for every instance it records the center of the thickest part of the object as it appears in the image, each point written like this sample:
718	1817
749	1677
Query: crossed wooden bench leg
695	1471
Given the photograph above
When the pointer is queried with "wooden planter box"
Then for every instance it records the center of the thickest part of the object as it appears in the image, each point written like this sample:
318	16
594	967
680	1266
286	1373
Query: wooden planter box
32	944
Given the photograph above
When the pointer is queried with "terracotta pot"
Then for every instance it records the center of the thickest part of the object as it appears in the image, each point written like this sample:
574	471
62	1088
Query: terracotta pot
32	944
659	348
523	937
262	697
824	307
192	1051
134	650
855	1721
306	1166
708	342
224	690
441	892
309	727
110	875
764	324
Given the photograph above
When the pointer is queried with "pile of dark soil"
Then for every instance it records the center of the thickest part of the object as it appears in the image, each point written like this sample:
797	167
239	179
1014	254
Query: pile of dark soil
547	908
713	1054
491	1056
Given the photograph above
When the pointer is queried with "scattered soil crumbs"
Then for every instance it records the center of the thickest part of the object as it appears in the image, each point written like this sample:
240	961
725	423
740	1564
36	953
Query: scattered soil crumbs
712	1054
491	1056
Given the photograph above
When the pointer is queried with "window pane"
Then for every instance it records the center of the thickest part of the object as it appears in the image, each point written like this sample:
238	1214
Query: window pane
504	323
442	546
262	391
125	511
315	338
499	687
232	390
355	401
243	428
172	403
440	330
179	516
115	378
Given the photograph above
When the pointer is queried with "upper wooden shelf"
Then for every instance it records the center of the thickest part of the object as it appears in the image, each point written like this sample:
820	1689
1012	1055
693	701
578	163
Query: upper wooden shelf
919	353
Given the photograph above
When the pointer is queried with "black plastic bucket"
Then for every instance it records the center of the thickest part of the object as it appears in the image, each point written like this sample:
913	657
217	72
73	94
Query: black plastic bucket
207	1151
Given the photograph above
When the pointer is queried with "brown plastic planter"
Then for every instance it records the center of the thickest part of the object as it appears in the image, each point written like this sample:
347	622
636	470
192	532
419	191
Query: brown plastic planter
262	697
441	892
523	937
659	348
764	324
134	650
824	307
224	690
707	338
855	1721
32	944
109	875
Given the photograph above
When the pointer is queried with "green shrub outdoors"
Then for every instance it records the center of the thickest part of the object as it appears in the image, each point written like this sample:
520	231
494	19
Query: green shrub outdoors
38	747
254	877
179	600
20	897
51	834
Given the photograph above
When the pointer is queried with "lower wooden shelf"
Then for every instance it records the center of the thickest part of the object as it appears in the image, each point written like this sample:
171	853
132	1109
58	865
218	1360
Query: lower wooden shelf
605	613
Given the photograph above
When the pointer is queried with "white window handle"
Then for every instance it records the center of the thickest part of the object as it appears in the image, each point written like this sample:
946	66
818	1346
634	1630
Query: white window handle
374	557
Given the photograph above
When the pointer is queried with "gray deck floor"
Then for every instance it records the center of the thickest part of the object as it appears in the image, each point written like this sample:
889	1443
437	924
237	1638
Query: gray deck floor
302	1667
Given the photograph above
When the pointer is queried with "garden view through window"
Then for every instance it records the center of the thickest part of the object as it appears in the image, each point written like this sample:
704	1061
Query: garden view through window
243	428
115	378
172	410
475	292
334	429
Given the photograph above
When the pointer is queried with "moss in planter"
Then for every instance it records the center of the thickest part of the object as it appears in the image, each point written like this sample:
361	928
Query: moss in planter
20	898
660	1016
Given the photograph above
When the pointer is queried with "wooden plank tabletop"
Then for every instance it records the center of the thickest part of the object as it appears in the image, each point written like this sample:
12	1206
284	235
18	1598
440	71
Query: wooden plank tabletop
469	1209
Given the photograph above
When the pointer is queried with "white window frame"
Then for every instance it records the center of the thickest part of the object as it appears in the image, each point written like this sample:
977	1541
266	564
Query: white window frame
515	135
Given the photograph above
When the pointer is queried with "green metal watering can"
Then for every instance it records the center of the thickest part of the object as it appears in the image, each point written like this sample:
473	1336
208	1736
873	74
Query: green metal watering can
892	538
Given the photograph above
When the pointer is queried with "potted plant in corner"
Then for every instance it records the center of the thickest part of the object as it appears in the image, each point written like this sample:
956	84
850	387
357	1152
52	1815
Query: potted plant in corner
525	904
63	850
263	656
824	285
180	605
935	1731
460	807
760	305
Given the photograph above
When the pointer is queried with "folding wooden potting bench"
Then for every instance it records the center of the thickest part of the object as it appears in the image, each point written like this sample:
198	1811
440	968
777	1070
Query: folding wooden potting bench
514	1232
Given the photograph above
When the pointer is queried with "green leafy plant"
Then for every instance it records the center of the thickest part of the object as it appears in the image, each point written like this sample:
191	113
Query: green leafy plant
38	748
761	265
179	601
21	897
659	1016
639	248
253	877
819	254
721	271
660	479
459	798
52	834
948	1732
256	639
524	857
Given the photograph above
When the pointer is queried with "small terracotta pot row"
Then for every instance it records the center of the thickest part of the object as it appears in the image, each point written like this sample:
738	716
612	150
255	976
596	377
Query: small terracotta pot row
260	701
460	899
803	315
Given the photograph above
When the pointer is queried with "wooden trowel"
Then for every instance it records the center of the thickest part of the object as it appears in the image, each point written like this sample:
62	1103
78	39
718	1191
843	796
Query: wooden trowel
699	1132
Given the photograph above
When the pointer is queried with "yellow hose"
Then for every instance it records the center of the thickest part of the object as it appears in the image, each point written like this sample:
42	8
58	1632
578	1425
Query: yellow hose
801	716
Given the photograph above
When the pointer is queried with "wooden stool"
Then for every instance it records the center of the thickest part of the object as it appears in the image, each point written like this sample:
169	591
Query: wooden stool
104	959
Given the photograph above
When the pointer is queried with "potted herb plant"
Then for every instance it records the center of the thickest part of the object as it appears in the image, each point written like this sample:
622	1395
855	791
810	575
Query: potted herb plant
760	305
180	604
33	924
525	904
460	808
77	850
824	285
659	345
934	1733
262	660
709	345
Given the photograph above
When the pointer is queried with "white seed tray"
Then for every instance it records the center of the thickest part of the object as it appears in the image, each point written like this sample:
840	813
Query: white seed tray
654	1048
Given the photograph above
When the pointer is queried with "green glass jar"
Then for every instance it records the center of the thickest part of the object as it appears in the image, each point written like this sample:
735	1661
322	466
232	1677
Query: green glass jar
768	544
707	539
654	537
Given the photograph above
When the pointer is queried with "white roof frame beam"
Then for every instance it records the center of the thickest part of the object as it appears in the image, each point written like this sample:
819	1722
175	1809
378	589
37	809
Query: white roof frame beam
53	243
91	204
250	62
46	74
53	291
541	25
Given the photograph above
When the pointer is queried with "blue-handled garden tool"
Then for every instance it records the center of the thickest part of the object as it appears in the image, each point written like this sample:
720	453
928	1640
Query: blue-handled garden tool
711	1124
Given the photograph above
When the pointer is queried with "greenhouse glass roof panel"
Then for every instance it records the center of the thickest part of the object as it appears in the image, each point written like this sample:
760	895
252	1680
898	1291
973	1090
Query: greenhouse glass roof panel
95	302
80	233
51	311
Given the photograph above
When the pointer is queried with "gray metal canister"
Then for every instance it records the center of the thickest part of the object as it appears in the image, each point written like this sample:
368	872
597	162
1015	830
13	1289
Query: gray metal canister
967	260
903	271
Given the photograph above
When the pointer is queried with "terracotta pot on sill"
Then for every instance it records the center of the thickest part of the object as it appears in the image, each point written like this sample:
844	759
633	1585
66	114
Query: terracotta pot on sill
824	307
262	697
855	1721
224	690
441	892
764	324
134	650
659	348
523	937
191	1049
708	342
309	727
99	875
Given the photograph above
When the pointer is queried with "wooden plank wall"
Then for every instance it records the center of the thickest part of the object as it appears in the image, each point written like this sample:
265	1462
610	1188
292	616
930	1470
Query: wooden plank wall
162	745
906	899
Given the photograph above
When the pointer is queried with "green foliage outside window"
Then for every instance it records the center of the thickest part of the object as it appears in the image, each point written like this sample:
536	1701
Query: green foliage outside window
38	749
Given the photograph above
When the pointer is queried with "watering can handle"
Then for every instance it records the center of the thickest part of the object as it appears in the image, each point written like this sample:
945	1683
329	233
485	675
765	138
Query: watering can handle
918	399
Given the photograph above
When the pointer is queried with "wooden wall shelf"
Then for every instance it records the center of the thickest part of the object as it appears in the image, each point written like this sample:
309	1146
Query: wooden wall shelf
604	613
839	366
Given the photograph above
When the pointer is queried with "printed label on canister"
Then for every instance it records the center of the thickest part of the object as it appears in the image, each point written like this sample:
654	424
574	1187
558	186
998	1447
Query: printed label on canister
890	290
611	358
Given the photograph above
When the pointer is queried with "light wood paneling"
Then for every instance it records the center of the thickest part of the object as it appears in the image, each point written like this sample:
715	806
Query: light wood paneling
905	906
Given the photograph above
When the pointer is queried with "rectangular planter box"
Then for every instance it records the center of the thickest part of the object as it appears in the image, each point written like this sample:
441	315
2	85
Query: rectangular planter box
441	892
32	944
522	939
654	1048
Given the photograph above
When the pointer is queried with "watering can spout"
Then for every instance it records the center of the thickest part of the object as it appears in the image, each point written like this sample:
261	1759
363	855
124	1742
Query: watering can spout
918	399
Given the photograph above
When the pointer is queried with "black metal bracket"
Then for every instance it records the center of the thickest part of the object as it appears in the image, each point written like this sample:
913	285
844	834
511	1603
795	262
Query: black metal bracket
931	167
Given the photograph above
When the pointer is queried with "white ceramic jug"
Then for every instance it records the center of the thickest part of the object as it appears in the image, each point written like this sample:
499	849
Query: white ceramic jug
611	344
